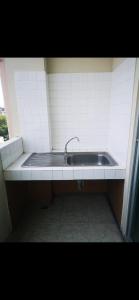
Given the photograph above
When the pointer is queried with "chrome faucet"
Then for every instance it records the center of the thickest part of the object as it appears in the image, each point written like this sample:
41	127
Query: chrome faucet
65	152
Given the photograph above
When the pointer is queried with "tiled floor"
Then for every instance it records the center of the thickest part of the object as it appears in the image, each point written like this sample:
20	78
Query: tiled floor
71	218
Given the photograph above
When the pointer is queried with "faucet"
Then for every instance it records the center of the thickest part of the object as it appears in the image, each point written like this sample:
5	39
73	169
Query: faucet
65	152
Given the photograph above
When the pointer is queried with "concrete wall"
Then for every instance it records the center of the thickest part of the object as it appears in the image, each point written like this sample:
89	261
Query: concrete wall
82	64
117	61
78	65
5	221
131	148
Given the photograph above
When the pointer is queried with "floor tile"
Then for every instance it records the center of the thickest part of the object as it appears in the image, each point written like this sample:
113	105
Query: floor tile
71	218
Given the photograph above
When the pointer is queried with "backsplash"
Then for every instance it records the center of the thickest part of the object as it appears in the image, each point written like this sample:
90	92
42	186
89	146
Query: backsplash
96	107
79	106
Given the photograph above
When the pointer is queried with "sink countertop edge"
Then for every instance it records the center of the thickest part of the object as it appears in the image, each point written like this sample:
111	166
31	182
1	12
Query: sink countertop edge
16	165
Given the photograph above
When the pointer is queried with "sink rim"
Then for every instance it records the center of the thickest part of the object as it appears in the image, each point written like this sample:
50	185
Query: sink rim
56	159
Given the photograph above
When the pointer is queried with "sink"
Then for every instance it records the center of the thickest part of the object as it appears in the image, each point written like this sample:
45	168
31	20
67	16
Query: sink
56	159
91	159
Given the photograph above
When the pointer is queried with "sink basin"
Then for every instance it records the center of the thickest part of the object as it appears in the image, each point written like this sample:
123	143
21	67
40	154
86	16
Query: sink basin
73	159
92	159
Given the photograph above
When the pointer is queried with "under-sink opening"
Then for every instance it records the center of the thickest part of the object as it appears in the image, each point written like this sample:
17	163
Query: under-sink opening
44	196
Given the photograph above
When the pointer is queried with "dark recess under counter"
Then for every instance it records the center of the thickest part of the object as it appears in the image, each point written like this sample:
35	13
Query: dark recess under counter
22	193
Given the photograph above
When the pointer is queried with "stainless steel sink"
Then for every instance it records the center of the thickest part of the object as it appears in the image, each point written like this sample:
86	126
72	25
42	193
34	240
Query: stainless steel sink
72	159
90	159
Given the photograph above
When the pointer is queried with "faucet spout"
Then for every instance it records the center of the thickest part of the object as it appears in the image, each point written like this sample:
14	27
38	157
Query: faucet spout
65	152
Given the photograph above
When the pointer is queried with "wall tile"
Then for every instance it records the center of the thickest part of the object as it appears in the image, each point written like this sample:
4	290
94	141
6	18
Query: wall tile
13	175
87	105
120	109
32	104
88	174
75	109
119	174
46	175
98	174
109	174
10	151
68	174
57	175
77	174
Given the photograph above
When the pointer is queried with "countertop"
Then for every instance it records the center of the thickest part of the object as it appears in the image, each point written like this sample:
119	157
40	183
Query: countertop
16	172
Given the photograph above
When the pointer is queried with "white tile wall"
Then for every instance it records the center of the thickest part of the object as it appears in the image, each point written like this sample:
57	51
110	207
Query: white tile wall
120	109
79	105
10	151
32	107
94	106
